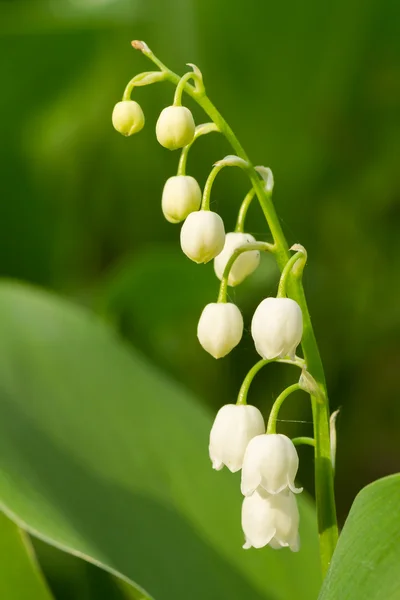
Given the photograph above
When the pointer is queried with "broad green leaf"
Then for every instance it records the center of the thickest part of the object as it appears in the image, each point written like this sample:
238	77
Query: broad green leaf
70	577
20	574
367	558
103	456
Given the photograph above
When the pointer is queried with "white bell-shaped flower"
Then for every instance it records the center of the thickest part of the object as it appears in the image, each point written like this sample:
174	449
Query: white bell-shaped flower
181	196
245	263
220	328
272	520
175	127
270	463
277	327
127	117
234	426
202	236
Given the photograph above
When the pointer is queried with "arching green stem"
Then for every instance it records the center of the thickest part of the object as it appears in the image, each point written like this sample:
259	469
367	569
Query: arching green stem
260	246
306	441
287	272
243	211
205	203
324	490
181	86
244	388
273	415
200	130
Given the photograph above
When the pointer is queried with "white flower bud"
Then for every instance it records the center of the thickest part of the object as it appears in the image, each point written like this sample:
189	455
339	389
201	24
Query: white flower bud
245	263
202	236
234	426
277	327
270	463
220	328
128	117
181	196
272	520
175	127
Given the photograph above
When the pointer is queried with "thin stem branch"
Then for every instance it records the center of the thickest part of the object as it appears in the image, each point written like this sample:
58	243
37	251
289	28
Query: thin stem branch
273	415
205	203
248	380
303	440
243	211
286	273
260	246
200	130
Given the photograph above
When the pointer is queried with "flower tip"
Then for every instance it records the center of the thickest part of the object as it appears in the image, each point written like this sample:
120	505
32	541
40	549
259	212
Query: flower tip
295	546
139	45
234	468
298	248
217	466
246	545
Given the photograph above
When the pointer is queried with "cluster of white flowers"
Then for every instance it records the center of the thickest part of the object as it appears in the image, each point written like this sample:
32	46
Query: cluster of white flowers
269	464
269	461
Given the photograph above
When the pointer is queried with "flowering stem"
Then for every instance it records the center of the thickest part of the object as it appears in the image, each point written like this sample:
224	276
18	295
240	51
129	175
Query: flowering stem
260	246
273	415
242	396
303	441
324	489
243	211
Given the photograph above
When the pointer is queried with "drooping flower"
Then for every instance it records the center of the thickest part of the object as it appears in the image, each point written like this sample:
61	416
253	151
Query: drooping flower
245	263
277	327
270	463
220	328
271	519
175	127
181	196
127	117
234	426
202	236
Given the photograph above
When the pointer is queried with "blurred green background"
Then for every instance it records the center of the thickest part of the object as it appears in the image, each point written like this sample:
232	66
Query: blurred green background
312	90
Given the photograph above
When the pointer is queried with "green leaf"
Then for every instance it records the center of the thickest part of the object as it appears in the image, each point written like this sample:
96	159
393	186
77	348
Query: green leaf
20	574
367	558
103	456
70	577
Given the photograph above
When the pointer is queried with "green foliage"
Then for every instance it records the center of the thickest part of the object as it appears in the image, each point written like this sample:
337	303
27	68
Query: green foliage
366	561
20	574
317	100
103	455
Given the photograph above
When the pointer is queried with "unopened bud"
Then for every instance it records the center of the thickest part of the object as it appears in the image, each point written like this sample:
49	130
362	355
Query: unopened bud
202	236
128	117
220	328
181	196
277	327
175	127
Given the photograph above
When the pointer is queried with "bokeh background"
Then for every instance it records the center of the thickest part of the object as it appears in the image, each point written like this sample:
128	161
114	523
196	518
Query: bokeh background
312	90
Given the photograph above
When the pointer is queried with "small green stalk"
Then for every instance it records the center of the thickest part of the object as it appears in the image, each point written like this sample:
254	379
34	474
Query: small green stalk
260	246
273	415
243	211
303	441
248	380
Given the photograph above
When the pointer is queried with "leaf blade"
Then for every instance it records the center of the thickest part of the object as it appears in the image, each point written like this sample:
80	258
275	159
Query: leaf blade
366	559
20	574
106	458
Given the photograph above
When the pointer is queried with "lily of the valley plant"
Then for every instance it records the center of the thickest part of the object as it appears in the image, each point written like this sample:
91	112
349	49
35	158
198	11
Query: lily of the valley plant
239	438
